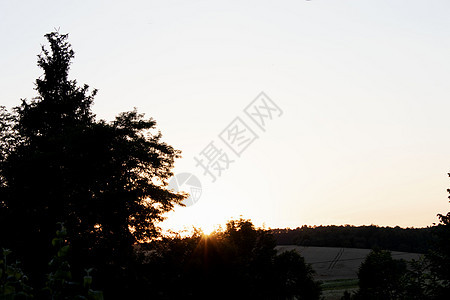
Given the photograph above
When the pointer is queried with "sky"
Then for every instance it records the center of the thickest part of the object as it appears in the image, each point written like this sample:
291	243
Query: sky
360	135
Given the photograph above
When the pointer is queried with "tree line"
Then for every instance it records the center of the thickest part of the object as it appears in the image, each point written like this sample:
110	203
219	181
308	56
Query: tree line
417	240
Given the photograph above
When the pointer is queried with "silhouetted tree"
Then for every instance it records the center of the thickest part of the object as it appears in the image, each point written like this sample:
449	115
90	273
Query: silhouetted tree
418	283
105	181
380	276
439	256
294	278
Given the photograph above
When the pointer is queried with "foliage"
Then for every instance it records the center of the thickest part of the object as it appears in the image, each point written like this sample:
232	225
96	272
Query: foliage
239	262
439	256
59	283
8	134
418	282
12	279
380	276
106	180
294	277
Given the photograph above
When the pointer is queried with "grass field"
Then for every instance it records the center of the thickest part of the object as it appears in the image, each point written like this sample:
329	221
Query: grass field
337	267
334	289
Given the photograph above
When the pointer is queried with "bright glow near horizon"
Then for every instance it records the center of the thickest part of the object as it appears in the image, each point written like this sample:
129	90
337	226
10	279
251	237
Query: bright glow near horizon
363	86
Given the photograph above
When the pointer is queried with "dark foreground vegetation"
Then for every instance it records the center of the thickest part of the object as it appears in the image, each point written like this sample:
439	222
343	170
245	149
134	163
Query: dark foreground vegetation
416	240
81	198
238	263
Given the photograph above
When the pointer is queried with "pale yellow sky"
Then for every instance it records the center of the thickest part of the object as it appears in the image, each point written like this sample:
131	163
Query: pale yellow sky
363	85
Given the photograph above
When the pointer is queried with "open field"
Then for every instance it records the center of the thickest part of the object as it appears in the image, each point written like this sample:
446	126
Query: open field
334	289
338	263
337	267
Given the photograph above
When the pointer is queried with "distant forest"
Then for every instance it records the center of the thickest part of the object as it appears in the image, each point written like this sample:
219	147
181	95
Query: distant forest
417	240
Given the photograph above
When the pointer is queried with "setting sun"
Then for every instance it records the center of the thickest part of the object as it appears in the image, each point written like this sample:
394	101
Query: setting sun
209	228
